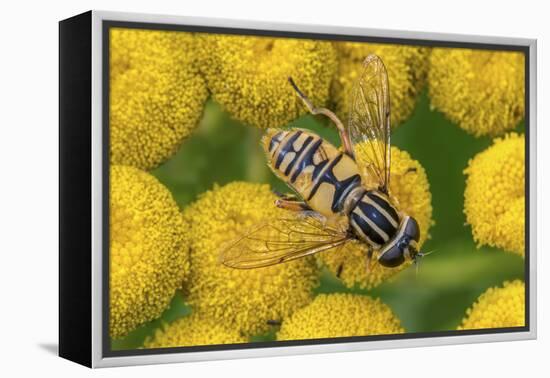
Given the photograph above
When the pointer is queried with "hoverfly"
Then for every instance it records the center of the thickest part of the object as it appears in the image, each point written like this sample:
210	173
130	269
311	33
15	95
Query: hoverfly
333	206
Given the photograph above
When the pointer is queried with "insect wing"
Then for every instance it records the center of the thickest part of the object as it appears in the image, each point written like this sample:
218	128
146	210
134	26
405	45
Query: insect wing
281	240
369	122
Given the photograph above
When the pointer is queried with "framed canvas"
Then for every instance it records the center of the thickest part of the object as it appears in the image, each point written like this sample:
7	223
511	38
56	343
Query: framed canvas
233	189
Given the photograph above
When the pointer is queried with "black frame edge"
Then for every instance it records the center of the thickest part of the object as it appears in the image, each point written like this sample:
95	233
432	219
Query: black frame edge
75	215
106	25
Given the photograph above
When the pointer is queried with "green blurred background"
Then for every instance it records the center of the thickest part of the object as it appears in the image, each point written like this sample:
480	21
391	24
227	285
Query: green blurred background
448	281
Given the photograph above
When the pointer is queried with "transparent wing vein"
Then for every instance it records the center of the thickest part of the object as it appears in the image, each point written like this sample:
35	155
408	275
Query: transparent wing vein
280	240
369	122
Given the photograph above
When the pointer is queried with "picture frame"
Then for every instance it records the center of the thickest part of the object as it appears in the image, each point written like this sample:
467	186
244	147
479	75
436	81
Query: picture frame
84	190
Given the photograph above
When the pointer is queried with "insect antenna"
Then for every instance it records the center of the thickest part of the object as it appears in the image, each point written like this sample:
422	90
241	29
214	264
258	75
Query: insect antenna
424	254
420	255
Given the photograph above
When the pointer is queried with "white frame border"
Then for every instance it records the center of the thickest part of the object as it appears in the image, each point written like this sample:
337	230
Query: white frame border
97	183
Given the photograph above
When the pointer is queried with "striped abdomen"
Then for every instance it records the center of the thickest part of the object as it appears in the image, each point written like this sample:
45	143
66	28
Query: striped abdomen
374	220
318	171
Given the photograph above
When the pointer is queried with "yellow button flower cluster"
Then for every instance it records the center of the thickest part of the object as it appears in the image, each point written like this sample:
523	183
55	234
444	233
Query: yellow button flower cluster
410	188
156	95
494	199
193	330
481	91
148	250
406	66
340	315
243	300
248	75
497	307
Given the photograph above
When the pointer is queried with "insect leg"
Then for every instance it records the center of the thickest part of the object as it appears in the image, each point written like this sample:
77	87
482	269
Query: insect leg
278	194
292	204
273	322
344	136
286	196
410	170
368	260
339	270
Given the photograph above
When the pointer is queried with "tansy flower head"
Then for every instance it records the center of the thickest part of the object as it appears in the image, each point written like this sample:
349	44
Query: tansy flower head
248	76
242	300
406	66
494	199
410	191
149	250
193	330
481	91
156	95
498	307
340	315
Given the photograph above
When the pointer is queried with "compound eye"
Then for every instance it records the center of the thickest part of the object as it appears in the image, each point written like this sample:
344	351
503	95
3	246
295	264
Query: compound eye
392	257
412	229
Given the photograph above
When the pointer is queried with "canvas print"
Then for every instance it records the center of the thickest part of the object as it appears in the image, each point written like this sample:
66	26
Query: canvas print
267	189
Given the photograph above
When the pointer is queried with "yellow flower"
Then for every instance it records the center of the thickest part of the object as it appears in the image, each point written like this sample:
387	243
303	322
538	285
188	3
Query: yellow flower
156	95
248	76
411	191
193	330
148	250
340	315
497	307
481	91
406	66
242	300
494	199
